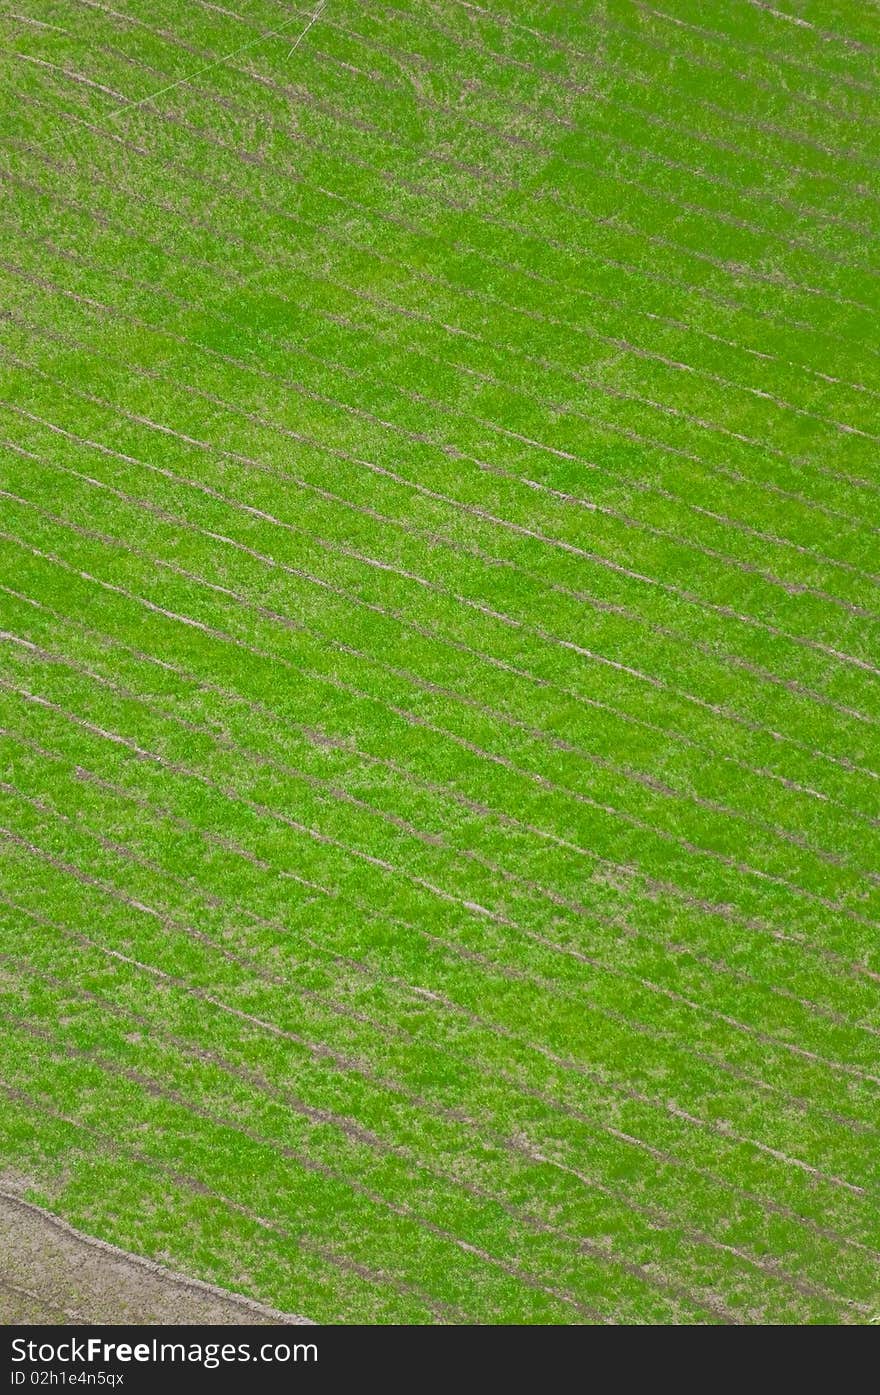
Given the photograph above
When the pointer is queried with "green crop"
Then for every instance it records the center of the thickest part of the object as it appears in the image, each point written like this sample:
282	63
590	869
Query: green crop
439	651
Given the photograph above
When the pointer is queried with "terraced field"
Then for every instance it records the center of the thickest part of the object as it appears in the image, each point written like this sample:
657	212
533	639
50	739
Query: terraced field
439	693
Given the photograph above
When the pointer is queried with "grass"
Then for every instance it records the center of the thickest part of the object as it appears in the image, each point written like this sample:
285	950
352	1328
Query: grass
438	697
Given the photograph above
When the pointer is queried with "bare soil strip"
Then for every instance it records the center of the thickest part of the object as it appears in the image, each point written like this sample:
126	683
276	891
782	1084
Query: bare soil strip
51	1273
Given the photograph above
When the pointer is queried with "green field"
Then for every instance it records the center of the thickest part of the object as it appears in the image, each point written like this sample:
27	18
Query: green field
440	610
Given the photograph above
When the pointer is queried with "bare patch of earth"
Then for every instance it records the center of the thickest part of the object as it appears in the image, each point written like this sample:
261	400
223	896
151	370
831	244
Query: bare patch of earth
51	1273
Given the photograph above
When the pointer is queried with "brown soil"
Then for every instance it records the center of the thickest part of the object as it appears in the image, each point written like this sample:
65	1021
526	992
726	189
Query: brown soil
51	1273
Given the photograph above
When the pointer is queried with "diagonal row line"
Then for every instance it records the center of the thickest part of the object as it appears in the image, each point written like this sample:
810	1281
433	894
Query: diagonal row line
754	669
719	1129
386	866
326	1056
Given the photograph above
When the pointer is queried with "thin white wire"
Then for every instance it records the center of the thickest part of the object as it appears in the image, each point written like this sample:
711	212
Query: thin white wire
314	19
270	34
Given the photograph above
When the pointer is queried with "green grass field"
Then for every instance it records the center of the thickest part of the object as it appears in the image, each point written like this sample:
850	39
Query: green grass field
440	607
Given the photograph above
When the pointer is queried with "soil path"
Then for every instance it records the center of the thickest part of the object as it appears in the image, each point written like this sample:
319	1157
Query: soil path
51	1273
